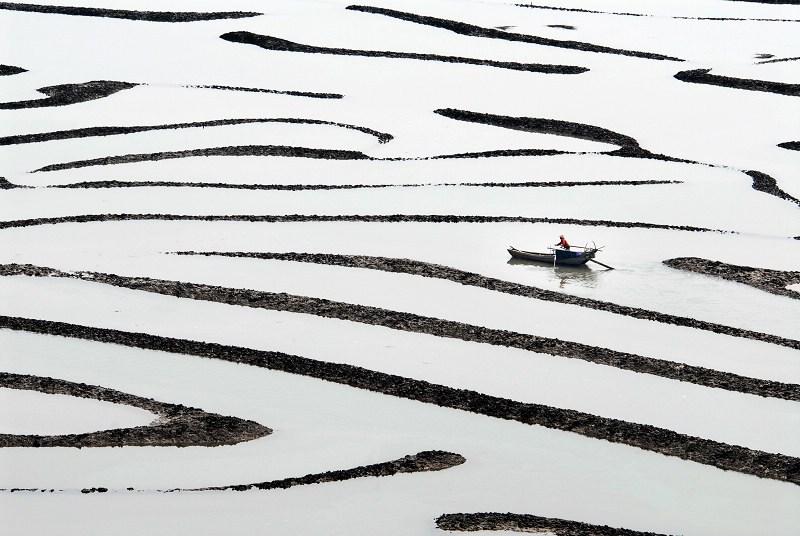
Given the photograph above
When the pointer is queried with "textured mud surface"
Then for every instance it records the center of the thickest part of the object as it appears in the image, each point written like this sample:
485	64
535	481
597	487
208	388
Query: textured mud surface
491	33
651	438
8	70
176	425
311	94
764	183
5	185
628	14
274	43
91	132
529	523
438	271
791	145
65	94
703	76
414	323
772	281
151	16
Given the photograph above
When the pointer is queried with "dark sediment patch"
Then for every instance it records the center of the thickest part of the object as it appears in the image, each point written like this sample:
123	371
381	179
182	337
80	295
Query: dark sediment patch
628	14
150	16
778	60
772	281
562	26
703	76
8	70
791	145
784	2
65	94
764	183
5	185
177	426
90	132
312	94
646	437
231	150
410	322
364	218
529	523
491	154
438	271
300	187
274	43
491	33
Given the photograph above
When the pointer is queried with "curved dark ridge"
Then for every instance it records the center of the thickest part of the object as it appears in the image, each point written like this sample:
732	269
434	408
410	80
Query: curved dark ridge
646	437
150	16
490	154
764	183
90	132
438	271
366	218
176	426
702	76
414	323
627	14
786	2
530	523
778	60
231	150
8	70
312	94
273	43
772	281
65	94
791	145
491	33
228	185
562	26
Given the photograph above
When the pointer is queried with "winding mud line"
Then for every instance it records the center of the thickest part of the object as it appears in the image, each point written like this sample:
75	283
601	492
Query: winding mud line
772	281
562	26
530	523
65	94
627	14
491	33
231	150
8	70
273	43
176	426
646	437
778	60
764	183
91	132
472	279
150	16
437	327
791	145
703	76
299	187
364	218
312	94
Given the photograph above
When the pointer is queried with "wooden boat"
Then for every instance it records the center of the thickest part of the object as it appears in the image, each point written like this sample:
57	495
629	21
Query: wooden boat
564	257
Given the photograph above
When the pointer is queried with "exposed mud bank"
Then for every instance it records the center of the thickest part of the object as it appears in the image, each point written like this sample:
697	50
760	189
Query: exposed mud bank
231	150
176	426
628	14
764	183
66	94
92	132
364	218
791	145
5	185
772	281
8	70
311	94
403	321
529	523
438	271
562	26
491	33
646	437
273	43
779	60
703	76
150	16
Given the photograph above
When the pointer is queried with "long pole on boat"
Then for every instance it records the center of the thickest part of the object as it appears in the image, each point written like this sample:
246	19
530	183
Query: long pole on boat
601	264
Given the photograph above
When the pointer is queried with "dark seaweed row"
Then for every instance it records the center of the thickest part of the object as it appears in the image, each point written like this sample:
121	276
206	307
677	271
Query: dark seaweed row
628	14
703	76
312	94
764	183
778	60
438	271
491	33
529	523
273	43
65	94
410	322
8	70
151	16
646	437
89	132
791	145
5	185
772	281
177	425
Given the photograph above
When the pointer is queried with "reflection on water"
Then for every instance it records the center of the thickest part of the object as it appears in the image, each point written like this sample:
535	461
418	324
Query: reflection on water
565	276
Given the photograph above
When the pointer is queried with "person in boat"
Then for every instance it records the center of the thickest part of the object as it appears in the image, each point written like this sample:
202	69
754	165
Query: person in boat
562	242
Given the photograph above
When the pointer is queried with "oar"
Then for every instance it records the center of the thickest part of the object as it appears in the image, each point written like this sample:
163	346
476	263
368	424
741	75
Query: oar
601	264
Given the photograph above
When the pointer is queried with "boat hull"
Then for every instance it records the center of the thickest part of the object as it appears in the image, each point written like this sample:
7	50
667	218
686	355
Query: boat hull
559	257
